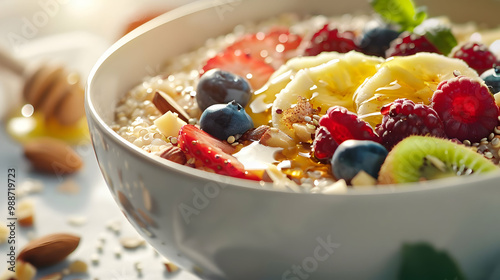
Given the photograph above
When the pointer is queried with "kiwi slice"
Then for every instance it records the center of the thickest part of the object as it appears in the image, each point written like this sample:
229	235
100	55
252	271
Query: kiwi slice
419	158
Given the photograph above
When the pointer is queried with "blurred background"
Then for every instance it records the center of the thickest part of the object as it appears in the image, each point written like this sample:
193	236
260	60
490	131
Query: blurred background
73	33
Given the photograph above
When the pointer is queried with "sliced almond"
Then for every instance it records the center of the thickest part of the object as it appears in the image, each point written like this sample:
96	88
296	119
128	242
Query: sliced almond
274	137
175	154
49	249
52	156
170	266
164	103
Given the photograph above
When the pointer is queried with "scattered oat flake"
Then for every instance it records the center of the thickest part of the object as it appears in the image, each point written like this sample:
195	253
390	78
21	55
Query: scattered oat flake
114	226
77	220
29	186
132	242
69	186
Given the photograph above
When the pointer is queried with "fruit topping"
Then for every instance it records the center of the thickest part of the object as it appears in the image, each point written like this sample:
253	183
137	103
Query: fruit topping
476	55
344	125
466	107
353	156
218	86
492	79
274	47
254	70
328	40
225	120
211	152
410	43
414	77
376	41
421	158
403	118
323	145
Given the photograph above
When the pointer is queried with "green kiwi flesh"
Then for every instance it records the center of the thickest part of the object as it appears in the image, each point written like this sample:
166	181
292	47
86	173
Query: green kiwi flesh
420	158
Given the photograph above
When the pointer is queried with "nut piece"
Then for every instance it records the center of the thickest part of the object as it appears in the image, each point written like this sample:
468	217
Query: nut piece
78	267
49	250
132	242
164	103
52	156
274	137
25	213
175	154
25	271
254	134
170	266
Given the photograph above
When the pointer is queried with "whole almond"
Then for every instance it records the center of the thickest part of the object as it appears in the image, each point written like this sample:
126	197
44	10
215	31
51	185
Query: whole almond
175	154
52	156
165	103
49	250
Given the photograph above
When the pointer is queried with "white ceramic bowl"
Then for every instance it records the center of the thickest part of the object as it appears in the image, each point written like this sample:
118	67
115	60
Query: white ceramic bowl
227	228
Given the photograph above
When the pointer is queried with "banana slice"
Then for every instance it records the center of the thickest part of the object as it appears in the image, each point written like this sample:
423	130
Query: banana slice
414	77
262	100
331	83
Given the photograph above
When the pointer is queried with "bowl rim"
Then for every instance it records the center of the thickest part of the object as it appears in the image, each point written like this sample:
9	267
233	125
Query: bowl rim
177	169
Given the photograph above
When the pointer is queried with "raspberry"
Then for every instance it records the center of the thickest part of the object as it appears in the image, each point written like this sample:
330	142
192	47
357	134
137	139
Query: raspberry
467	108
344	125
476	55
409	43
403	118
323	145
327	39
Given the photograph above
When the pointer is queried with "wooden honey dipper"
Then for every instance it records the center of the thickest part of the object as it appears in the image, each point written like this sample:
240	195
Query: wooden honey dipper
50	89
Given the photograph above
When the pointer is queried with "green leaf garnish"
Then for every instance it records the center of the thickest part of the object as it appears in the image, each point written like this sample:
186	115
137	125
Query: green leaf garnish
438	33
422	261
401	12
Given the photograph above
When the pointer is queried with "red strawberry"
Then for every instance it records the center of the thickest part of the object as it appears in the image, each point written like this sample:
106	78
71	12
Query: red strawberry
476	55
408	43
344	125
214	153
328	40
254	70
274	47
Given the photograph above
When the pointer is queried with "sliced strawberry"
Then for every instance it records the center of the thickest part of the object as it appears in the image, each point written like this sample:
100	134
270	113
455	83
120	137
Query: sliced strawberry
254	70
344	125
214	153
274	47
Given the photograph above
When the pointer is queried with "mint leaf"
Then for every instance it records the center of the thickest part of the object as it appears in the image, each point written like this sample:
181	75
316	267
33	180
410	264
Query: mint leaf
422	261
438	33
401	12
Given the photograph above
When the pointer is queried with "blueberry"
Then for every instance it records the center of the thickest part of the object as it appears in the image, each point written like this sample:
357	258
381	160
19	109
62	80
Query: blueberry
224	120
220	87
492	79
377	40
353	156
